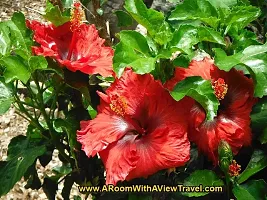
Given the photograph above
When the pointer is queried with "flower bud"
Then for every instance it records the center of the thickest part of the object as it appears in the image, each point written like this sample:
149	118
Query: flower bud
225	155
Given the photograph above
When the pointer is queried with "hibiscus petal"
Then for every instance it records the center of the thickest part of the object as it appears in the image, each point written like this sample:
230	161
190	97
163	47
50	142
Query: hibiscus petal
120	159
95	135
162	149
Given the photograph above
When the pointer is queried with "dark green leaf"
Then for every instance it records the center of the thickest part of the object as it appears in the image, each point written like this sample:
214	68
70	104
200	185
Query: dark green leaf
69	126
15	69
263	136
62	170
21	155
200	90
259	115
204	178
54	15
139	197
68	182
152	20
124	19
6	98
50	187
32	178
196	10
257	162
252	190
254	58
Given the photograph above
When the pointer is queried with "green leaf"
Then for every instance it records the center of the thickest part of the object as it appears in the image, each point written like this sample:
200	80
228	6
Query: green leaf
133	51
196	10
223	3
37	62
259	115
243	39
69	126
187	36
15	69
21	155
252	190
152	20
67	3
124	19
135	40
257	162
200	90
92	112
204	178
143	65
6	98
15	36
241	16
62	170
263	136
254	58
54	15
5	41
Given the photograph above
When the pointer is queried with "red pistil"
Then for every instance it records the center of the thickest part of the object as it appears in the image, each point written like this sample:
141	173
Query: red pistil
77	16
234	169
220	88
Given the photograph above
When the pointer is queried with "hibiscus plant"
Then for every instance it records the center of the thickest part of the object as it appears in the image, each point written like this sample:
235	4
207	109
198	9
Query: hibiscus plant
182	102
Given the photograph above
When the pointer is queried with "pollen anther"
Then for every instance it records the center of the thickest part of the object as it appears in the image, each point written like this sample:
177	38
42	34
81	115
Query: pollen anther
118	105
220	88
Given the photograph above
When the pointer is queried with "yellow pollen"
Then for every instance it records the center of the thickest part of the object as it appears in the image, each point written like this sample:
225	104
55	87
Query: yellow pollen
118	105
220	88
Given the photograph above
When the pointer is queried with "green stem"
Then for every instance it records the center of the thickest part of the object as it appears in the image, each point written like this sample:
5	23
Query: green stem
47	120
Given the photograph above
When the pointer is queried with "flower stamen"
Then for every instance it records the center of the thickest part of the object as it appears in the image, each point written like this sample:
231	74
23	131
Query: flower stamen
234	169
220	88
77	16
118	104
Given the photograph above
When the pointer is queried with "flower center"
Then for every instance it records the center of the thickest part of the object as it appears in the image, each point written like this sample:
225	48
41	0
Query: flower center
234	169
118	105
220	88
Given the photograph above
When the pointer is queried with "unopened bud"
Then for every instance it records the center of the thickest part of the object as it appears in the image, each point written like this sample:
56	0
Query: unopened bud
225	155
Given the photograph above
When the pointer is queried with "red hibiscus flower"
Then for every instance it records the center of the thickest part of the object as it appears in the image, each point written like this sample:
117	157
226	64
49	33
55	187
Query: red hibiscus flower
75	45
139	129
232	124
